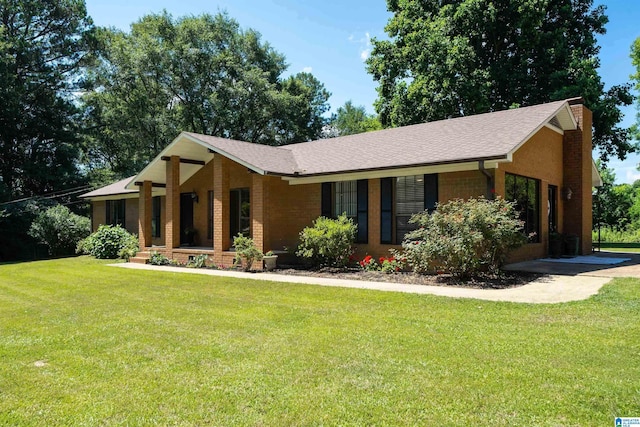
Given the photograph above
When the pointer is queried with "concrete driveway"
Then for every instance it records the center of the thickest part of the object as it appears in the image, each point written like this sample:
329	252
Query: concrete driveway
629	268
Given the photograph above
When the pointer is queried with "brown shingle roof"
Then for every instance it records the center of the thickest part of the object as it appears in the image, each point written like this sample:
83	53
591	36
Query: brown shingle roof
486	136
276	160
482	136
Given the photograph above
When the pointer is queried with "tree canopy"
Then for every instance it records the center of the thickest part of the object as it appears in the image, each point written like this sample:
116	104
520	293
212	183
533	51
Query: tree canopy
43	47
201	74
351	119
461	57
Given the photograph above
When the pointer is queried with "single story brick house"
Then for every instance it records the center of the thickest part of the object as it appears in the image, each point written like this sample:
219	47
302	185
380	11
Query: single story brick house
202	190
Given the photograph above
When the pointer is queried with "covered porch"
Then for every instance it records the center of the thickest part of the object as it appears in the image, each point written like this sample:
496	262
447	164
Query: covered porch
204	199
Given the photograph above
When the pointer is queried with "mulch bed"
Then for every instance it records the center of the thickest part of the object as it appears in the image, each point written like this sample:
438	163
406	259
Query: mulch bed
505	280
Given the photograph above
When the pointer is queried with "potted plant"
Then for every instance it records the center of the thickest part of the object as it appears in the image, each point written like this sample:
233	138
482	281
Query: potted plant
246	252
555	245
270	259
190	235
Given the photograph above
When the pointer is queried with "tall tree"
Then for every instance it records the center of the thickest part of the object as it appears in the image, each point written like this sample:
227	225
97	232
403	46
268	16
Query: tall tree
351	119
43	47
201	74
635	59
460	57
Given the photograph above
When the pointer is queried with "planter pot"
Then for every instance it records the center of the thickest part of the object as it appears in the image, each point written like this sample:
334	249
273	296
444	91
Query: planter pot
571	245
555	247
270	262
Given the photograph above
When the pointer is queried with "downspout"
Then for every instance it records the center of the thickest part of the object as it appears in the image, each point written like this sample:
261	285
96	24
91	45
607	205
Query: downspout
491	191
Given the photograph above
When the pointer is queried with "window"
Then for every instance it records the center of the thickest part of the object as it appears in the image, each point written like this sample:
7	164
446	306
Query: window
409	200
525	192
155	217
402	197
115	212
346	199
240	208
350	198
210	215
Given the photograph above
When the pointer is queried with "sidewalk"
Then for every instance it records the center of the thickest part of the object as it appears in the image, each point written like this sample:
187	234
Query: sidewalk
549	289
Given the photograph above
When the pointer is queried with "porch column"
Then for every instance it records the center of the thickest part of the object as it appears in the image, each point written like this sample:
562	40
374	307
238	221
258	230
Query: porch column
258	212
144	215
172	223
221	212
576	156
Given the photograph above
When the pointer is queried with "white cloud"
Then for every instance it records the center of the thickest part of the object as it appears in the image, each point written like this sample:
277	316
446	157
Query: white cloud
632	176
364	45
307	69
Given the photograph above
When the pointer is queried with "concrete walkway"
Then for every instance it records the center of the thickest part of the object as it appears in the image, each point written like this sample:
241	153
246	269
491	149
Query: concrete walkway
548	289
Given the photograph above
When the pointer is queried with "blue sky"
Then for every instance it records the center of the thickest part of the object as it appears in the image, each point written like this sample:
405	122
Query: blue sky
331	39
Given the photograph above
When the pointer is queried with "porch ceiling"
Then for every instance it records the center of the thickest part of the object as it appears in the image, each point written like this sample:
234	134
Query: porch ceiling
185	148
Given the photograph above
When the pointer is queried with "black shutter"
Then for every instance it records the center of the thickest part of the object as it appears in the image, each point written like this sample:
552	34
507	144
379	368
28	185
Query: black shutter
326	200
430	191
386	210
363	211
107	217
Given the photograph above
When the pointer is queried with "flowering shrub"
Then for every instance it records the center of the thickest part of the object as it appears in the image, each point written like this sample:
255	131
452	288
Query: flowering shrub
464	238
369	264
386	265
390	265
328	243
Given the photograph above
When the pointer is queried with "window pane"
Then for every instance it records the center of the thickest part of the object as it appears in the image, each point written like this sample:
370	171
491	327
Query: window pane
525	192
346	196
409	200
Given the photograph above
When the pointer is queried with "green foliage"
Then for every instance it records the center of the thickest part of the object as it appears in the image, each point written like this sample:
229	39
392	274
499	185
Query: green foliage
199	261
43	47
613	235
15	222
463	57
197	73
246	252
616	206
350	120
329	242
387	265
157	258
60	229
464	238
109	242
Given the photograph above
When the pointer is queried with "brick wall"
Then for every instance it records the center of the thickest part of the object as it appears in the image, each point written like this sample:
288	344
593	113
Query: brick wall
577	176
98	214
131	215
541	158
288	209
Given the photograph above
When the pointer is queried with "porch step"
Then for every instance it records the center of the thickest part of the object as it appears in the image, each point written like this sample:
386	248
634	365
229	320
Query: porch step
141	257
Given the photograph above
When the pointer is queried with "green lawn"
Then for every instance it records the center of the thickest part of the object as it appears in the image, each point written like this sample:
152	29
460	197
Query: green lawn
125	347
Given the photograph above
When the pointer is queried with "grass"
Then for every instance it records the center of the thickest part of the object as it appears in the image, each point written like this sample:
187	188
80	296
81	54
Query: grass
125	347
620	247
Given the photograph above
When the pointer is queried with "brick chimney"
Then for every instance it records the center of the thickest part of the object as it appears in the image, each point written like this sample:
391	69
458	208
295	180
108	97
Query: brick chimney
576	154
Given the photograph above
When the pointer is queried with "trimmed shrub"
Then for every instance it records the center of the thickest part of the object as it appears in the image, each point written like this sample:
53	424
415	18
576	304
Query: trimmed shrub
60	229
328	243
246	252
109	242
464	238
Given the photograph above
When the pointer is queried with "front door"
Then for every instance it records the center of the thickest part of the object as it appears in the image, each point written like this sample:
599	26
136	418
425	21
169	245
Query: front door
187	233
